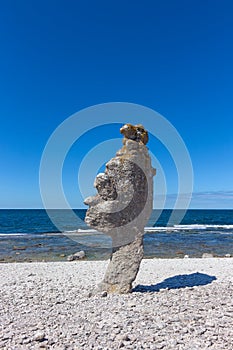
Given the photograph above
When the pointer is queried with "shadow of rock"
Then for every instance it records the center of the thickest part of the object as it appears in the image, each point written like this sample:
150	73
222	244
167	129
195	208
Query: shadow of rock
176	282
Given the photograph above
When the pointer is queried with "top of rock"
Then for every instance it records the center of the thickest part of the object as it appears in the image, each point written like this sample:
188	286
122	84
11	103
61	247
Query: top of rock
135	132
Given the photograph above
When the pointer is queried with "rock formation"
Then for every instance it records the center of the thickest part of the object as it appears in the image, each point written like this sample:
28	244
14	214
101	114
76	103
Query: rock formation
122	207
135	132
76	256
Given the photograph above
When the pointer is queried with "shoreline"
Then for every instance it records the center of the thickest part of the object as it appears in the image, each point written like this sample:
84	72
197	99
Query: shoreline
188	264
177	304
62	258
156	245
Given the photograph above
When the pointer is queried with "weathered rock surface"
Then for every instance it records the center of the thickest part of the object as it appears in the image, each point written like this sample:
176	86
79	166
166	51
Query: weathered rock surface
207	255
123	206
76	256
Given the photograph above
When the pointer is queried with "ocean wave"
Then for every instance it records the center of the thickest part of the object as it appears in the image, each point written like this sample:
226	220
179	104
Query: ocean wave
188	228
13	234
163	229
149	229
28	234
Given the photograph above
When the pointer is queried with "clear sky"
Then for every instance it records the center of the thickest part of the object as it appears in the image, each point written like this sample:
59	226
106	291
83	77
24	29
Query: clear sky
58	57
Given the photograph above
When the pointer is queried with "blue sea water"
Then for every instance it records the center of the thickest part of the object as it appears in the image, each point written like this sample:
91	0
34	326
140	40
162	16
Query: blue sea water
29	234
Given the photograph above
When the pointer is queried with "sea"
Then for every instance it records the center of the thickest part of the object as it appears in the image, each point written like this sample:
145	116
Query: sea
29	235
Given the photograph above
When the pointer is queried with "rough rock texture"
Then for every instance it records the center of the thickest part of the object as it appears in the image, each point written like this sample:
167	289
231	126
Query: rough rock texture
134	132
122	208
76	256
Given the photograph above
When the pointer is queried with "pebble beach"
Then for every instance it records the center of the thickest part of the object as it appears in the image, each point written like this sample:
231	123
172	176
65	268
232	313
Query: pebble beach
175	304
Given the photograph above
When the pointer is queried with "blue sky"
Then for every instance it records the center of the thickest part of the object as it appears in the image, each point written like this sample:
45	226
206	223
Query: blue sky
58	57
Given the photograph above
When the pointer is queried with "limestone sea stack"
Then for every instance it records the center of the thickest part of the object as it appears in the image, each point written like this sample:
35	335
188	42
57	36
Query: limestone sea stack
122	207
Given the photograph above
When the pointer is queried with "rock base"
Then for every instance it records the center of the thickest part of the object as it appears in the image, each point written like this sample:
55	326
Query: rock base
123	267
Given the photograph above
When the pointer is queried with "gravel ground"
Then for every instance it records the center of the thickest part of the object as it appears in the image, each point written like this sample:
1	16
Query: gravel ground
177	304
